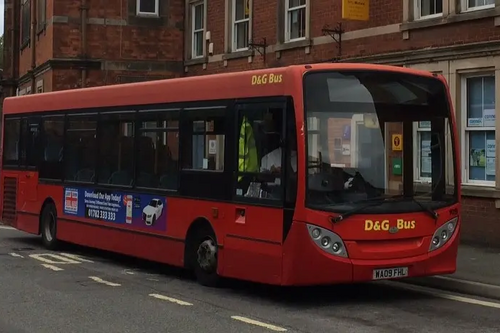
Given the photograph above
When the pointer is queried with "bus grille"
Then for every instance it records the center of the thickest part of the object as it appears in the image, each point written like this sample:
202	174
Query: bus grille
9	200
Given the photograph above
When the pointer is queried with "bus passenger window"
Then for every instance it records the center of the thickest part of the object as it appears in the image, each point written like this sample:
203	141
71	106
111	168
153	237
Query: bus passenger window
261	151
51	166
12	128
207	145
158	151
80	150
116	149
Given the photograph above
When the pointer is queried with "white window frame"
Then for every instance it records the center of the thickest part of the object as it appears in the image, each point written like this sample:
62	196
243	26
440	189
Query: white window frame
194	31
288	12
155	14
465	133
235	23
418	5
465	6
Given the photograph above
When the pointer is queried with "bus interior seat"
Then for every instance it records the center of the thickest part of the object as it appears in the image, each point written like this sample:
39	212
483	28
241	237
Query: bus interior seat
85	175
120	177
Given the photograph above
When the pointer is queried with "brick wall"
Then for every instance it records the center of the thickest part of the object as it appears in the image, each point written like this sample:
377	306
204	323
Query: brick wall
481	222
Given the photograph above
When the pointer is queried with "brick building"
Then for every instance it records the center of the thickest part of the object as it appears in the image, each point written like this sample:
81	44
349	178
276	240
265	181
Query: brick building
96	42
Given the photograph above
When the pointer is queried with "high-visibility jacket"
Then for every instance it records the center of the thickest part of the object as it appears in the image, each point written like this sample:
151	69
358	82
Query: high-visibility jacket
247	161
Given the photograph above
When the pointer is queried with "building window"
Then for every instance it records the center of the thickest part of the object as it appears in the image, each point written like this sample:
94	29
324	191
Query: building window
241	24
295	20
428	9
148	7
41	14
198	29
25	22
424	162
39	86
477	4
480	148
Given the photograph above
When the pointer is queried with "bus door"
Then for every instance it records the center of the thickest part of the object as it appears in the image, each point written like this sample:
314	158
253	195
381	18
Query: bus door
254	237
30	149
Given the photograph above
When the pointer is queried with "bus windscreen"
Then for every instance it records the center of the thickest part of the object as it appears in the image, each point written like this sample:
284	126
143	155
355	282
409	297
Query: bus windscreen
376	137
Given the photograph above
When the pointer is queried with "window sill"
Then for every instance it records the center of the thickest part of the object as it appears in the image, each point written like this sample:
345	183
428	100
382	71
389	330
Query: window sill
480	191
238	55
293	45
147	15
40	30
25	45
452	18
195	61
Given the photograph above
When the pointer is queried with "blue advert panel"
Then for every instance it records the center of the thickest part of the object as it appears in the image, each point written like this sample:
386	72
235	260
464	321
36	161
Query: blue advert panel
136	210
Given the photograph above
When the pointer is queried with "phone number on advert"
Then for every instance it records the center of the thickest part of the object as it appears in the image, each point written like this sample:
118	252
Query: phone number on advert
101	214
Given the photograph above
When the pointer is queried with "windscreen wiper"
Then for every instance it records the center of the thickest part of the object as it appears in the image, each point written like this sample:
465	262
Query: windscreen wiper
432	213
378	201
371	203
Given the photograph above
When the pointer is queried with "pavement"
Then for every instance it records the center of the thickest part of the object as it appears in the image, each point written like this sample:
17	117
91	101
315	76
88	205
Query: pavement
83	290
478	274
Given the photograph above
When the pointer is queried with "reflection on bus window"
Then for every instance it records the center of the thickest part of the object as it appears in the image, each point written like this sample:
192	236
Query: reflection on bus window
80	150
158	153
116	150
207	145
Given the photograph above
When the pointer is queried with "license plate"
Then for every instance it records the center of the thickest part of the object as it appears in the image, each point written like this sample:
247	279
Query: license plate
390	273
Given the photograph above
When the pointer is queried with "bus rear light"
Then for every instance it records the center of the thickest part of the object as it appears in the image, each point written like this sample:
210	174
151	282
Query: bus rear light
443	234
327	240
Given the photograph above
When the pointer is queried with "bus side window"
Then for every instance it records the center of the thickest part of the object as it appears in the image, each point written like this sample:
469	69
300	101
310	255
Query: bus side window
80	148
158	150
260	151
116	149
207	142
51	165
12	135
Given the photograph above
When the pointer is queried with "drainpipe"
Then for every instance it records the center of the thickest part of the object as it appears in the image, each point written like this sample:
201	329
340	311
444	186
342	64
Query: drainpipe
33	45
84	8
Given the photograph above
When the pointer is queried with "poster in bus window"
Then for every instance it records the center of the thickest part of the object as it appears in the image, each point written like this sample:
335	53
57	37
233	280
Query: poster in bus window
135	210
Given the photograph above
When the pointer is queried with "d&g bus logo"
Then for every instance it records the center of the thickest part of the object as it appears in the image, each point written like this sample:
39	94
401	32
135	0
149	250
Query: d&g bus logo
386	225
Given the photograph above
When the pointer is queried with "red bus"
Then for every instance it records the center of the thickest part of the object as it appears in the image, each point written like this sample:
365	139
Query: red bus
188	172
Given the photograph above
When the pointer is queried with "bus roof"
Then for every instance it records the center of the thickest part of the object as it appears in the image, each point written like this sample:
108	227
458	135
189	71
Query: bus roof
204	87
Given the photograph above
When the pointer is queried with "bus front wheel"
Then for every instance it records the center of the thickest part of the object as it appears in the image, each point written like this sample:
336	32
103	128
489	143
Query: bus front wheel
205	258
49	227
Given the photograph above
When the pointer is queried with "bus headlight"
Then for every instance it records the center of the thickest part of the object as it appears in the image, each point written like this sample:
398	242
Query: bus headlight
443	234
327	240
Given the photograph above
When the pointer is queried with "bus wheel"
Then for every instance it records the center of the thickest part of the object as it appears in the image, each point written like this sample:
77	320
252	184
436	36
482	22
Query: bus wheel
206	258
49	227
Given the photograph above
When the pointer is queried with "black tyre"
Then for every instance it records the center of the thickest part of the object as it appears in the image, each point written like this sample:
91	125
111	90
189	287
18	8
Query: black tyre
205	258
153	220
48	227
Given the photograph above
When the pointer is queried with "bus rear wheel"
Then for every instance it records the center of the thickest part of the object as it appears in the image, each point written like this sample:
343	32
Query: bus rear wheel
205	258
48	227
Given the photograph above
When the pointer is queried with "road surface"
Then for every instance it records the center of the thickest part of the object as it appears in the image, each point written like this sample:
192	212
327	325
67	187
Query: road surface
81	290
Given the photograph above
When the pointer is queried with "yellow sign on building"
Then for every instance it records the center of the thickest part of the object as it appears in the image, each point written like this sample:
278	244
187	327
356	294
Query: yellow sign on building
397	142
358	10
